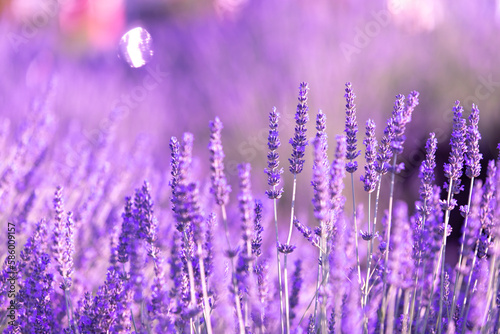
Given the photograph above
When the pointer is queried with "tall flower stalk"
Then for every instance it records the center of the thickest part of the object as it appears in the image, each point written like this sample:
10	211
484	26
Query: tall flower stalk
394	132
351	129
369	180
472	170
220	189
453	172
426	187
298	142
273	180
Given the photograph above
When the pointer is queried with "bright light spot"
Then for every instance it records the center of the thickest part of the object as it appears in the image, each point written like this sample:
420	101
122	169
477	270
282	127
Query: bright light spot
136	47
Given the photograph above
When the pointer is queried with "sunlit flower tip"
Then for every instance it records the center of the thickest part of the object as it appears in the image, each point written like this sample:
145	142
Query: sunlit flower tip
453	169
473	156
320	124
220	189
299	140
285	248
371	177
351	129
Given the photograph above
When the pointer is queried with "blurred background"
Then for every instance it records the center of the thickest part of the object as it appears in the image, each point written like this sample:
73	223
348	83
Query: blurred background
236	59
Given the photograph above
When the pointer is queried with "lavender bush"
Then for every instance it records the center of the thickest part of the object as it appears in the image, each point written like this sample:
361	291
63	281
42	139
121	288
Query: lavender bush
189	252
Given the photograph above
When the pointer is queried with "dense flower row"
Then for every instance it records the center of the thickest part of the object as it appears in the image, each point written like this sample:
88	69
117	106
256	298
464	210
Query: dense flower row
175	263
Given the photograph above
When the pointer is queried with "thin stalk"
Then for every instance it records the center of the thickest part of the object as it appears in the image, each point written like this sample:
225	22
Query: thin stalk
206	315
460	257
233	279
285	269
355	230
443	258
310	303
415	290
131	313
474	260
279	262
434	277
388	237
489	295
323	317
406	326
390	309
370	251
468	309
317	284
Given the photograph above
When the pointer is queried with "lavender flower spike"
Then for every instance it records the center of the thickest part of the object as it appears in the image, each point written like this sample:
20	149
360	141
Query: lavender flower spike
427	168
472	156
351	129
220	189
299	140
398	124
63	246
320	182
371	177
272	170
453	169
246	206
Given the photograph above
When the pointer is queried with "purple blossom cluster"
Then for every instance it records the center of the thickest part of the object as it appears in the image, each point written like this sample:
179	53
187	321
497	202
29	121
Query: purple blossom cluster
178	254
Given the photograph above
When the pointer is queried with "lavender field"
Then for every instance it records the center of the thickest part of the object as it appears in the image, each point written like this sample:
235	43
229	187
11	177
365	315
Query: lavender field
249	166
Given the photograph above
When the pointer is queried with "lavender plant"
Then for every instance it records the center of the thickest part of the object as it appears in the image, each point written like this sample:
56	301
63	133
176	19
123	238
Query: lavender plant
167	267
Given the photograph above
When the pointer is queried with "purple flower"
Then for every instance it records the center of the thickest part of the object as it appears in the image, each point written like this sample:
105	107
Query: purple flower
351	129
401	265
411	105
453	169
472	156
321	125
337	174
96	315
36	314
245	204
320	182
174	162
209	245
489	187
397	125
384	152
258	229
273	143
63	246
371	177
296	286
427	168
306	232
262	272
285	248
299	140
128	232
220	189
144	214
